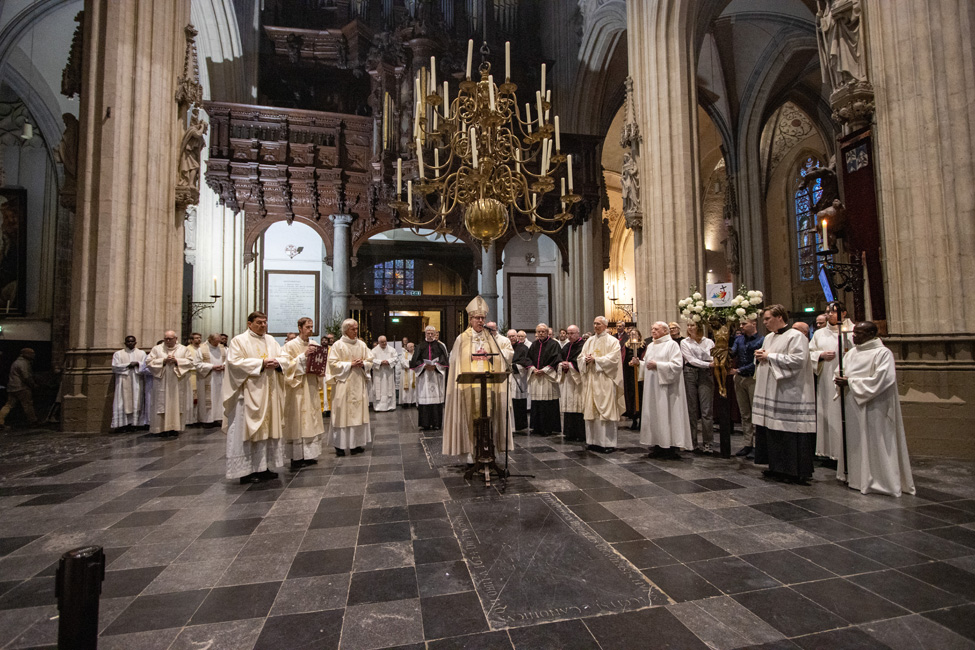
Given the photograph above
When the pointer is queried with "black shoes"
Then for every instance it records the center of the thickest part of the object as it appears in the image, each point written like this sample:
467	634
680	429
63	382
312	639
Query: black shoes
303	462
339	452
745	451
356	450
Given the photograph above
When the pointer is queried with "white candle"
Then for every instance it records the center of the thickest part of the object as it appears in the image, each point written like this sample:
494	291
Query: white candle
558	136
517	159
548	100
825	238
569	163
528	117
445	96
543	78
541	114
473	148
545	144
416	87
563	193
399	177
491	91
215	285
507	60
436	162
419	157
409	195
433	75
470	55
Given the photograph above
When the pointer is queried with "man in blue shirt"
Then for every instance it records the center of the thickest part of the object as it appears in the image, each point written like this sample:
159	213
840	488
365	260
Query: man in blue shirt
742	354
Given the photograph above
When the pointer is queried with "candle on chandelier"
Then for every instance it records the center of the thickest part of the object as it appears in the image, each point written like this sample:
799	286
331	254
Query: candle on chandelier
558	136
491	91
541	113
517	158
419	157
409	195
528	117
507	60
563	193
399	177
470	55
543	78
473	148
548	100
436	162
433	75
568	160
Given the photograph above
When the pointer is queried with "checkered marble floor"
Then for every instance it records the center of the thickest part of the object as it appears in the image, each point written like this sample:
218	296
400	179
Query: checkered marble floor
386	549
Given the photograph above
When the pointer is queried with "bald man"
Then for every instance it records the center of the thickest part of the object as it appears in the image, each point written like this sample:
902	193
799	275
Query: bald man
170	364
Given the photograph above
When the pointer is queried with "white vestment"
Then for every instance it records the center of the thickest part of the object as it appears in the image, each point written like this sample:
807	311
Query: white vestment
350	393
875	438
430	380
191	414
784	392
384	378
303	424
203	365
464	400
169	387
603	398
829	426
572	391
213	406
253	402
664	420
127	407
407	386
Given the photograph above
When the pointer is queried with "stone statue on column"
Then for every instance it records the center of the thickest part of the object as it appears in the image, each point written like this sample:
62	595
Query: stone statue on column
630	173
189	95
839	34
67	153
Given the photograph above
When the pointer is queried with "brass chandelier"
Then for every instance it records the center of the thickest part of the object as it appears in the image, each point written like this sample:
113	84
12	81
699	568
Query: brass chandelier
481	156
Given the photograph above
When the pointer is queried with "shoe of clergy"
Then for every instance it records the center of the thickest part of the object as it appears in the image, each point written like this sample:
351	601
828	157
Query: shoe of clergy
310	461
339	452
698	450
250	478
357	450
297	464
328	414
744	451
608	450
658	452
267	475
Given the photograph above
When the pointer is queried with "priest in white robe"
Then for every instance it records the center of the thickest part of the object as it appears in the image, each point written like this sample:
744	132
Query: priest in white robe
128	404
431	364
253	400
472	352
518	382
191	409
603	401
211	368
384	361
876	444
303	423
407	381
824	351
350	363
571	388
169	363
666	425
784	410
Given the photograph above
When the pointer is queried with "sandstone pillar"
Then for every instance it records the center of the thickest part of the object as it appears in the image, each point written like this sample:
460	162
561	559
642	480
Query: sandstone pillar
341	240
489	281
127	266
662	59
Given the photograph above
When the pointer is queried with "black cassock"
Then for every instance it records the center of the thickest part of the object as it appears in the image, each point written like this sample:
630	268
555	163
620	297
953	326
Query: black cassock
632	387
430	416
573	424
545	416
520	406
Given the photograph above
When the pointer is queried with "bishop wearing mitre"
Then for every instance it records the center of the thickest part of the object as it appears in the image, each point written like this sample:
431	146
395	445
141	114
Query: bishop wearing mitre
253	402
475	350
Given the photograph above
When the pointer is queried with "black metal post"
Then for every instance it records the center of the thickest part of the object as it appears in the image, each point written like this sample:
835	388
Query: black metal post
78	585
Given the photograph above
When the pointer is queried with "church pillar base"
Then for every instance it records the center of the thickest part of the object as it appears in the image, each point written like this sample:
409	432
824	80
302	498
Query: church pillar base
86	406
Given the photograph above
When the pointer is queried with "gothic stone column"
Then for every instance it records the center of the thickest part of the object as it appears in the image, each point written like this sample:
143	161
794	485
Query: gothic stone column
489	281
663	65
127	267
340	264
922	67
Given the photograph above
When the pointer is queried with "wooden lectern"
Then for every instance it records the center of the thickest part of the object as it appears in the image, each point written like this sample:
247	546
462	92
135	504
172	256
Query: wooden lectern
484	459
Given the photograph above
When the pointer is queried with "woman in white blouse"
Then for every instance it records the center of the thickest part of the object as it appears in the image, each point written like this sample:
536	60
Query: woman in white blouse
699	384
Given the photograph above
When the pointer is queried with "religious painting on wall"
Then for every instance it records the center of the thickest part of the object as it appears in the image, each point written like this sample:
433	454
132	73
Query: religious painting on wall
13	250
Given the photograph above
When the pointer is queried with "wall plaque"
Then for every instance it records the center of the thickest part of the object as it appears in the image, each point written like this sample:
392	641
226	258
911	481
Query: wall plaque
288	296
528	300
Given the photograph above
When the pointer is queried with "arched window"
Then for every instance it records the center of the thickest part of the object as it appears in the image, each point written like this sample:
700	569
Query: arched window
807	237
395	277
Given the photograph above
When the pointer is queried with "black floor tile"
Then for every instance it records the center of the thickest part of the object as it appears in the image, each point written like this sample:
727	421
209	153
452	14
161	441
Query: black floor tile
947	513
909	517
48	500
906	591
929	494
352	469
848	639
847	600
885	552
10	544
330	504
930	545
956	534
783	511
590	512
430	528
259	495
681	583
829	528
615	530
452	615
145	518
29	593
482	641
335	519
871	524
944	576
788	612
427	511
230	528
606	494
128	582
564	635
644	554
319	630
655	627
384	515
381	533
822	507
236	603
717	484
839	560
187	491
787	567
381	586
960	620
319	563
689	548
385	486
683	487
440	549
733	575
440	578
157	612
574	497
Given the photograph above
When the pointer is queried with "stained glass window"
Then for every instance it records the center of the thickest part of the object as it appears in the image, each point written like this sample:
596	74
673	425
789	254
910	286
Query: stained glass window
808	238
396	277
